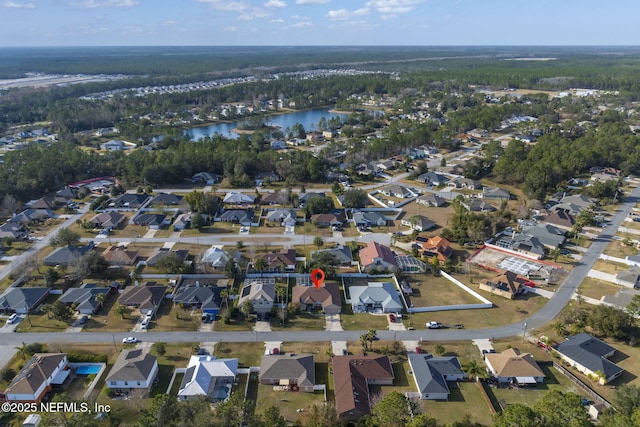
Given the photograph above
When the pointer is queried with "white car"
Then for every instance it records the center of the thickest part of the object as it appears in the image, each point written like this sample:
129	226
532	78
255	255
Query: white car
130	340
434	325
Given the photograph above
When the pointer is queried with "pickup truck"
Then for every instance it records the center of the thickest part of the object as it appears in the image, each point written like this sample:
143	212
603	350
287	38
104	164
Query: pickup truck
434	325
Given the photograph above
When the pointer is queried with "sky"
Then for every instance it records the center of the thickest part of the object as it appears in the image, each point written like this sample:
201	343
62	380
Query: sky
317	22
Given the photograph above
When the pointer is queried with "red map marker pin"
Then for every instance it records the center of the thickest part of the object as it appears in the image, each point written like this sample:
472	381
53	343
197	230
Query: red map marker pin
317	277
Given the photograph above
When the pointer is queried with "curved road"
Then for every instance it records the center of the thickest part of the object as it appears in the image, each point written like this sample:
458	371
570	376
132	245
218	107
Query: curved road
560	298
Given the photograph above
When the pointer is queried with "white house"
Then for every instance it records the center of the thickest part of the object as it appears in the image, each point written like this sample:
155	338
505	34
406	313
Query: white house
37	377
210	377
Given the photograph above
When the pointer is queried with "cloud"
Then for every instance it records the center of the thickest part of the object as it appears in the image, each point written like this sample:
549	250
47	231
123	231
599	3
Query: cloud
275	3
344	14
312	1
277	21
389	7
302	24
92	4
255	13
14	5
170	22
226	6
230	29
133	30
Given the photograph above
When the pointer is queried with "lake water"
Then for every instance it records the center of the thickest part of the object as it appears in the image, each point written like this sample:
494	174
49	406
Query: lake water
308	118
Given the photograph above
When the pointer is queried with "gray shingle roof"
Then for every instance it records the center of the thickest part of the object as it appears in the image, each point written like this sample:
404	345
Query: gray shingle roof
430	372
132	365
16	298
288	366
589	352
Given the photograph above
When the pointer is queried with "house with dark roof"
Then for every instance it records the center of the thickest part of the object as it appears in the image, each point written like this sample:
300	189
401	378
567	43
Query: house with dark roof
366	219
467	183
260	292
85	298
433	179
589	355
520	244
305	197
560	218
431	375
161	253
283	261
295	372
512	366
68	255
377	257
129	201
549	235
119	255
199	294
237	216
495	193
29	216
146	297
418	223
48	202
37	378
328	220
629	278
375	297
109	220
14	231
207	178
276	198
150	220
166	199
506	284
22	300
352	376
210	377
477	205
326	297
342	253
430	199
133	370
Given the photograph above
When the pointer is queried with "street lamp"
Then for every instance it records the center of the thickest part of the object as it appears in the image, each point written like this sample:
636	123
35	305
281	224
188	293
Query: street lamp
524	331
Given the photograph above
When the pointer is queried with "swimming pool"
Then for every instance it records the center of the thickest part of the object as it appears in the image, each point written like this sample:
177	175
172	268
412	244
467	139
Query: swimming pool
88	369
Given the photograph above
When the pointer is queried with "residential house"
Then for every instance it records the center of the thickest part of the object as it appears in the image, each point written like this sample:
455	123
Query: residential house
119	255
284	217
470	184
418	223
398	191
375	297
367	219
216	257
295	372
430	199
22	300
261	293
130	201
435	247
146	297
377	257
506	284
261	177
237	216
326	297
385	165
589	355
352	376
209	377
68	255
234	198
183	221
477	205
48	202
342	253
14	231
331	176
166	199
276	198
305	197
328	220
549	235
433	179
278	145
432	374
161	253
37	378
85	298
133	370
108	220
511	366
29	216
150	220
629	278
207	178
519	243
282	261
490	193
559	218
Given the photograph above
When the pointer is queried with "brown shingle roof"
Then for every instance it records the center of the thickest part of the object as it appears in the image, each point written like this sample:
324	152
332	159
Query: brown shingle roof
327	295
512	363
37	370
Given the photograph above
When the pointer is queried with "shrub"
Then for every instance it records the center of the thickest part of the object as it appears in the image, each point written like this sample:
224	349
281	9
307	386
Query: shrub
87	358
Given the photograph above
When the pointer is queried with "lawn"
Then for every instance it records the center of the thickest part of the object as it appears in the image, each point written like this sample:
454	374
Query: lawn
361	321
108	320
429	290
609	267
319	349
41	323
617	249
300	321
595	288
172	317
288	402
248	353
466	400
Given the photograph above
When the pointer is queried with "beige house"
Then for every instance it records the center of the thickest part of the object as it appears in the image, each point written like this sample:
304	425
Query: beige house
511	366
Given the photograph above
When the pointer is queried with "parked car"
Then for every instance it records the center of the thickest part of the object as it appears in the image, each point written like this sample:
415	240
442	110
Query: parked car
83	319
418	350
12	319
458	326
130	340
276	351
392	318
434	325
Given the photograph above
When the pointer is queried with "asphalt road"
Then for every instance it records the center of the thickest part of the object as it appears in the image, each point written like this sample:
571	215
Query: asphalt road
555	304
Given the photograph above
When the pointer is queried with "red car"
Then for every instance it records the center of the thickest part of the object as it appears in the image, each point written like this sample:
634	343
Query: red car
392	318
418	350
276	351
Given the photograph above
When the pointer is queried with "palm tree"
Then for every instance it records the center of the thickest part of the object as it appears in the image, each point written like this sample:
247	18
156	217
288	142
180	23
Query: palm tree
22	350
260	264
475	370
46	308
371	336
559	328
224	294
100	298
122	310
364	342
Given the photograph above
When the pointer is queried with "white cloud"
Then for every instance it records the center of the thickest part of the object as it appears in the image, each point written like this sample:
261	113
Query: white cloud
230	29
275	3
277	21
312	1
390	16
170	22
344	14
14	5
133	30
226	6
302	24
255	13
389	7
92	4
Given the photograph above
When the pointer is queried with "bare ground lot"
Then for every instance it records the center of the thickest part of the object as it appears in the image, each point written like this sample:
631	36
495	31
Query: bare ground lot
618	249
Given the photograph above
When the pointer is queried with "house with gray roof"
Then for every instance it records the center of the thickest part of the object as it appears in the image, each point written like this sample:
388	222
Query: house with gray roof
433	179
431	375
418	223
161	253
150	220
129	200
13	230
235	198
477	205
520	244
146	297
629	278
133	370
261	293
237	216
108	220
342	253
368	219
198	294
375	297
467	183
29	216
85	298
495	193
398	191
430	199
589	355
22	300
68	255
282	216
166	199
210	377
216	257
549	235
291	371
